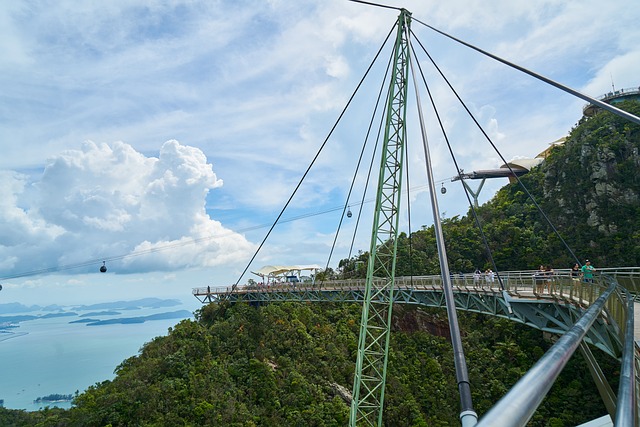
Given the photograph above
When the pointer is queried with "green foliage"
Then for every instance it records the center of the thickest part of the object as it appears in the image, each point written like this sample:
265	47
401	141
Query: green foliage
592	188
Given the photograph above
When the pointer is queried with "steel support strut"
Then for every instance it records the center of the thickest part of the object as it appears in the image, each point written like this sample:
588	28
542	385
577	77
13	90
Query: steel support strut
373	344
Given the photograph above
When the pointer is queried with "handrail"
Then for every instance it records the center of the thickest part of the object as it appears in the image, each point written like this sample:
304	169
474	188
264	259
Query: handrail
628	277
520	403
527	284
560	284
615	94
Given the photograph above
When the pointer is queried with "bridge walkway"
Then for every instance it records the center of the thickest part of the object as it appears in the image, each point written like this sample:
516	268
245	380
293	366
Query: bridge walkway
551	304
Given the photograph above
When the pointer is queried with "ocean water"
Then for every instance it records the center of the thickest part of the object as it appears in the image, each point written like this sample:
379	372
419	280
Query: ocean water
52	356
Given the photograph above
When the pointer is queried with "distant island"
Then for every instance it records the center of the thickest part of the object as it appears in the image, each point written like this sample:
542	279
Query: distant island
50	398
12	320
7	325
15	311
61	314
180	314
100	313
5	335
15	308
131	305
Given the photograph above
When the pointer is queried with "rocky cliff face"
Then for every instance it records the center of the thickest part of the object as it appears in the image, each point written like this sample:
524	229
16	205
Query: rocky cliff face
592	187
410	319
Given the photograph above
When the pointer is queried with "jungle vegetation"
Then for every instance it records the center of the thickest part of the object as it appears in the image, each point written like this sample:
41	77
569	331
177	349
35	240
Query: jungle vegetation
589	190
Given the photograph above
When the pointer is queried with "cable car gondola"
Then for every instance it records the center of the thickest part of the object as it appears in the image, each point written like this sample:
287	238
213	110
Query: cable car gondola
103	268
349	214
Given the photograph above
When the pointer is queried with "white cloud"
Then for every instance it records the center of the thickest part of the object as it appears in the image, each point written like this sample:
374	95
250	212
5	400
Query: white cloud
619	71
110	201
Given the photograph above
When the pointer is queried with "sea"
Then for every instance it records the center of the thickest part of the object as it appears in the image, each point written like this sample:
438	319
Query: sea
66	350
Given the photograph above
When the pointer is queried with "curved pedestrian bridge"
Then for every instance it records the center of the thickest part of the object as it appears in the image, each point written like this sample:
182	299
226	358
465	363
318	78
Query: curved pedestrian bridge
551	304
601	313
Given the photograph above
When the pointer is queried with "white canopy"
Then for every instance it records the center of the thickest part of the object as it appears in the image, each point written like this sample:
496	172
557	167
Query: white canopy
277	270
526	164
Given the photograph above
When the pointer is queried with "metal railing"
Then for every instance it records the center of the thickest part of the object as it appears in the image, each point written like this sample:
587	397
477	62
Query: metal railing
613	95
559	285
627	277
627	407
529	282
522	400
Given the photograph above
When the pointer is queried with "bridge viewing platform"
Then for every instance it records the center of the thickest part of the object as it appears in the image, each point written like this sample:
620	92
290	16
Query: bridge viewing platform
613	97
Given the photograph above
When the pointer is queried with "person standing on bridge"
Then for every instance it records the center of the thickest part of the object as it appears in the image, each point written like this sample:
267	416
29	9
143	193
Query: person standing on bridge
587	271
476	277
575	272
489	276
548	279
538	278
575	278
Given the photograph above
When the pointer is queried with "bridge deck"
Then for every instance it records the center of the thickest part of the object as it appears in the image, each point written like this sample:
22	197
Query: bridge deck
551	304
518	286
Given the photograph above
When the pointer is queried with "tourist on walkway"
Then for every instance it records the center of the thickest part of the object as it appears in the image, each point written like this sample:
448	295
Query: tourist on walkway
587	271
476	277
575	278
489	276
548	278
575	272
538	278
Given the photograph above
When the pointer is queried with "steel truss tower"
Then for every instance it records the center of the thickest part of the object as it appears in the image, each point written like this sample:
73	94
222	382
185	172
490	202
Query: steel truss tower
373	345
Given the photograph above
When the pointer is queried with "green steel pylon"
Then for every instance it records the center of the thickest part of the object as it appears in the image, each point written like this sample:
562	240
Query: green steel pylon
373	346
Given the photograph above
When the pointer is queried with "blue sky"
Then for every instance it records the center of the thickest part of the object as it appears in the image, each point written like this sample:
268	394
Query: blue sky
178	129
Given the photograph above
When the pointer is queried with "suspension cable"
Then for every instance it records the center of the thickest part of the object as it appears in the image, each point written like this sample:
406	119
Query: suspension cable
455	162
529	195
324	143
357	168
406	162
547	80
376	4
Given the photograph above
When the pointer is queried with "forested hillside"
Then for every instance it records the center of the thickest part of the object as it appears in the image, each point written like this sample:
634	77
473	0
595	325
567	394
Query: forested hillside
292	364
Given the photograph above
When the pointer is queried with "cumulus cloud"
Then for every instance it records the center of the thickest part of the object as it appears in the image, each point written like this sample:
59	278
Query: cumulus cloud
110	201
